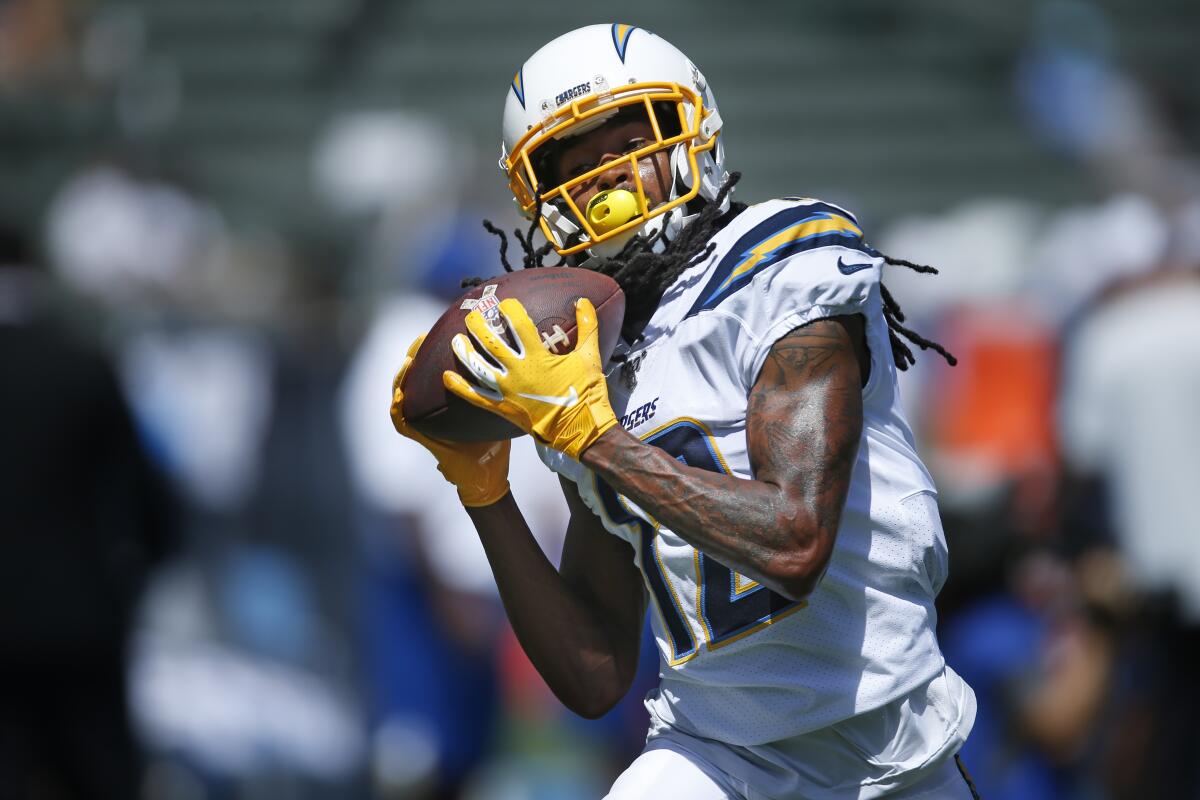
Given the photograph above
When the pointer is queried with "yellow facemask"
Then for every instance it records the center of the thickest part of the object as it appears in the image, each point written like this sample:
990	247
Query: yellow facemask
584	114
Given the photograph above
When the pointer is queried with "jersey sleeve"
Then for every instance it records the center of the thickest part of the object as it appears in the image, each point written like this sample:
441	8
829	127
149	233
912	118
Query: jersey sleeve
805	262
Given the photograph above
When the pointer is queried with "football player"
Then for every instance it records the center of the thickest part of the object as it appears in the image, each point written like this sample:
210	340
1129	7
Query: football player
741	466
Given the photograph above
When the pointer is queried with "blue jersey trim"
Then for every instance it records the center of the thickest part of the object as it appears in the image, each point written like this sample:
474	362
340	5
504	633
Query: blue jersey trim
793	230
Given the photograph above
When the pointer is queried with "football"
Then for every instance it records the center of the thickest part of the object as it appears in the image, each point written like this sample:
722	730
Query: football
549	295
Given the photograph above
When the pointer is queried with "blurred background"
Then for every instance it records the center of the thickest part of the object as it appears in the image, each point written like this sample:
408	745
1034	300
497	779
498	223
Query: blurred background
222	222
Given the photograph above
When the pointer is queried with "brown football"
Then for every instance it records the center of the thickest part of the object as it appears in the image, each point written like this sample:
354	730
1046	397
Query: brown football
549	295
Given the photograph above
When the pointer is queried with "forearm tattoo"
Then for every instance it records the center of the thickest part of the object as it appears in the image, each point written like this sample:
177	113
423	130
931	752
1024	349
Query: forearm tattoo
804	420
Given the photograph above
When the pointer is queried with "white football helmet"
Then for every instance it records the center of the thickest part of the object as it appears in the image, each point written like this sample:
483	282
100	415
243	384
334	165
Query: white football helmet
576	83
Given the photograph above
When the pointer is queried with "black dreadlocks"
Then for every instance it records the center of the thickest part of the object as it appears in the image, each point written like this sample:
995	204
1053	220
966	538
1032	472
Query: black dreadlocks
644	275
901	353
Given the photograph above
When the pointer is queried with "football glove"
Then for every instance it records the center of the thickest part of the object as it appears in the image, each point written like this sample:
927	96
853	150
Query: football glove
561	401
479	470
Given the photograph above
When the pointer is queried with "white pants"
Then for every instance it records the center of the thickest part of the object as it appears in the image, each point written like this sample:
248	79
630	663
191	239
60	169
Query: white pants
665	772
902	750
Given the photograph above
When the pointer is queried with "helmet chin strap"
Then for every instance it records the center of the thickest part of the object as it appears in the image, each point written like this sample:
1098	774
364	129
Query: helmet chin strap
673	221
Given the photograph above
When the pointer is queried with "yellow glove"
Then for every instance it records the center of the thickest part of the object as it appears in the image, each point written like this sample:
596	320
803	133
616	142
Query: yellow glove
561	400
478	469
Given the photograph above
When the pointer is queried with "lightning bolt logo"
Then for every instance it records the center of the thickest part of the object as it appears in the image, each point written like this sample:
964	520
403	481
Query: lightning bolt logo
518	86
774	247
620	37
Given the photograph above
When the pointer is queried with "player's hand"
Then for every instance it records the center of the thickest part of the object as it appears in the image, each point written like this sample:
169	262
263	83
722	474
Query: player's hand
478	469
560	400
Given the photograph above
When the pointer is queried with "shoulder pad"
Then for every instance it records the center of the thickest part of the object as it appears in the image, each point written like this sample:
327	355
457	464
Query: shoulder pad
806	224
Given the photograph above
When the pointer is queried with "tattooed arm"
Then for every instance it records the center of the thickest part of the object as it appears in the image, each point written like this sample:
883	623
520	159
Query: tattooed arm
803	422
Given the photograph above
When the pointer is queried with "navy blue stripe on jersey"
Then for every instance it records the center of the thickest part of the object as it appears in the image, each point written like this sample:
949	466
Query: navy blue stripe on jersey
727	610
793	230
729	613
683	643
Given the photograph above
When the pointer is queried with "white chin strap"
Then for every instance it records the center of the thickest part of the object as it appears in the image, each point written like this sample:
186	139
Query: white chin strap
674	220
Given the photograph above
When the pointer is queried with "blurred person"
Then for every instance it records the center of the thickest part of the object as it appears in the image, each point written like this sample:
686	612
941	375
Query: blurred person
1129	415
452	707
778	516
433	626
246	677
180	291
396	208
1130	428
231	371
85	518
426	631
124	236
1124	277
1043	660
1076	697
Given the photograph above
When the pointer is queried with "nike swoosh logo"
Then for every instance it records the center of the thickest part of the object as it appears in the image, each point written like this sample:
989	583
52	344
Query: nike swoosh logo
850	269
566	402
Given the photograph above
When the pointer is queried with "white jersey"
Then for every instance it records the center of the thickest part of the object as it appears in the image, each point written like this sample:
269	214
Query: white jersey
741	664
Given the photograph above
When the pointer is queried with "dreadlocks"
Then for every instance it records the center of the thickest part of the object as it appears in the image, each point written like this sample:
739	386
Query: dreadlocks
644	275
533	256
901	353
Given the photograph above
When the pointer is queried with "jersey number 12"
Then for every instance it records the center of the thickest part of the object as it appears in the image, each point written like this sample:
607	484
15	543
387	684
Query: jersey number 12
729	606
